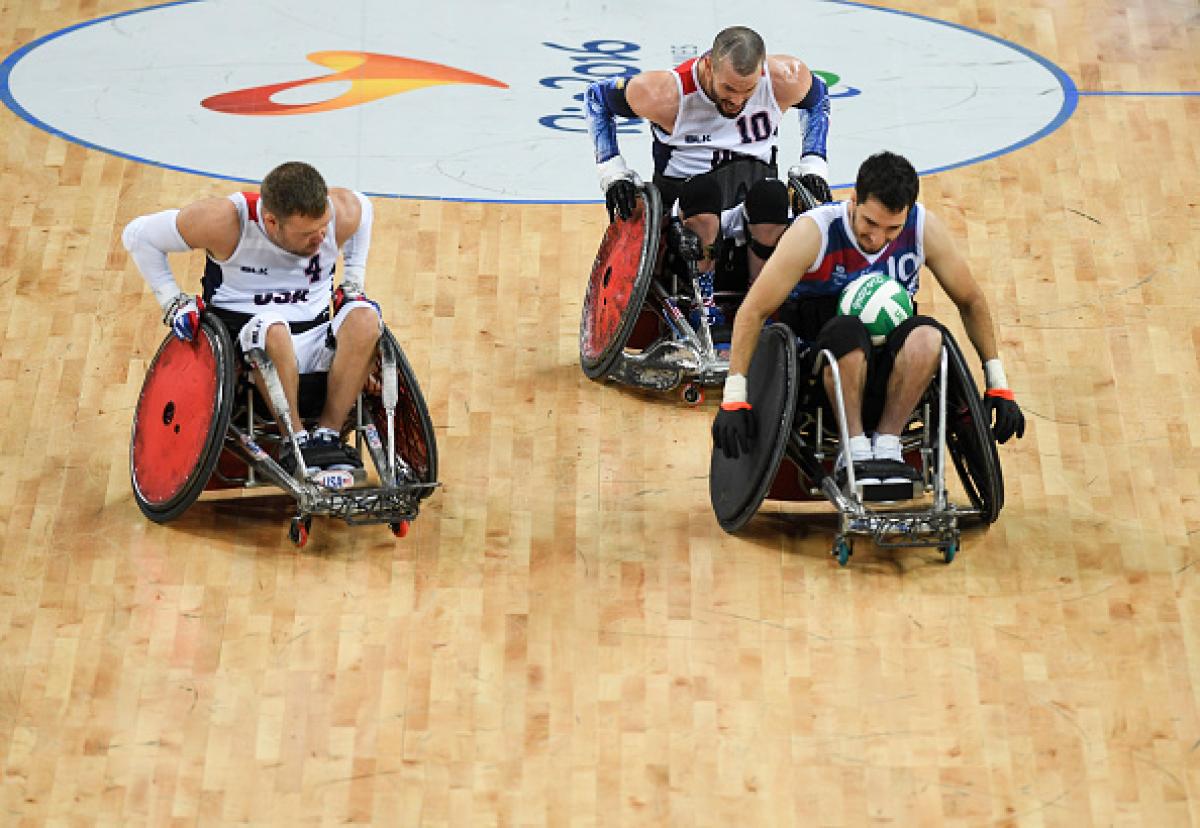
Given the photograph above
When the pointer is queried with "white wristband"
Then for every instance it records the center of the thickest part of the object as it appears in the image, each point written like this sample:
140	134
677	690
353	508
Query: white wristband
993	373
735	388
812	165
615	169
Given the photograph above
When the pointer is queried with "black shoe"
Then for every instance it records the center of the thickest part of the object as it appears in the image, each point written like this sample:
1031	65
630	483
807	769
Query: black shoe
861	474
330	454
287	459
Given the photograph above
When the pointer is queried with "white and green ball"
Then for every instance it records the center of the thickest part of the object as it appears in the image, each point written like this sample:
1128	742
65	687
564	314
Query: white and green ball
880	302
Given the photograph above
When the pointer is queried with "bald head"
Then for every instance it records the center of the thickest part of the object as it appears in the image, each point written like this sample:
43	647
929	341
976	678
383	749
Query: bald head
741	49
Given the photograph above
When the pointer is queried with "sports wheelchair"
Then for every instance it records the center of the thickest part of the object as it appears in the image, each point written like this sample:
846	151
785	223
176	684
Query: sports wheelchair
643	321
200	424
799	438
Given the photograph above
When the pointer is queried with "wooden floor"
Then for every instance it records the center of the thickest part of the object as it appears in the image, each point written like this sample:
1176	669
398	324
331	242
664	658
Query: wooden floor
567	636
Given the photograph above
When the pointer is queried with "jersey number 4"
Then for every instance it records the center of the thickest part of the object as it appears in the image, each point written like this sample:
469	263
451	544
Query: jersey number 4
313	271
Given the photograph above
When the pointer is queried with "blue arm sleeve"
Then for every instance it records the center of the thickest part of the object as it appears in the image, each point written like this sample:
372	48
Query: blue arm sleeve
814	117
605	100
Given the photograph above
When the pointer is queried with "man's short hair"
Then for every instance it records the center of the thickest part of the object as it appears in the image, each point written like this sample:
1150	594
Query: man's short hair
742	48
890	178
294	189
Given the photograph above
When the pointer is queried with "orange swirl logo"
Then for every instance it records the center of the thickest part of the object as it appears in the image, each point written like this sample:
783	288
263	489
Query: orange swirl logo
371	77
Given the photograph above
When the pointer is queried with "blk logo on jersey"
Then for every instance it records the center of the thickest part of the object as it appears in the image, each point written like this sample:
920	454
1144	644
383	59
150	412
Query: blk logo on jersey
371	76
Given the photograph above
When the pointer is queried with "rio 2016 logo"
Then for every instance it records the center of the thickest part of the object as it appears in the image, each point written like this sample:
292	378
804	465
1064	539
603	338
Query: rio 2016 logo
598	59
371	77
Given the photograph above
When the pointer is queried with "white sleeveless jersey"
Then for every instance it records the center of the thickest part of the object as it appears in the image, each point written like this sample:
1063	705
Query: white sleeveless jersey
703	138
261	275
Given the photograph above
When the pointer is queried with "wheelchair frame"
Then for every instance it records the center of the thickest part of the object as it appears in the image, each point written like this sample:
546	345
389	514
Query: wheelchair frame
681	353
950	422
170	420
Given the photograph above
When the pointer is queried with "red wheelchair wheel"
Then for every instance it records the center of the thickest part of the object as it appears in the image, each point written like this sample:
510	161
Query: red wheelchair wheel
180	421
416	444
618	284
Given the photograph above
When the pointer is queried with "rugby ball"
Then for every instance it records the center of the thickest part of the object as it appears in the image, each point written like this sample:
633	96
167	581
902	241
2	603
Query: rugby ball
880	302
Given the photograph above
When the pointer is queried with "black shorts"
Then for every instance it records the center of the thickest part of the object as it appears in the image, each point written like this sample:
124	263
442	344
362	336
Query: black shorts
843	334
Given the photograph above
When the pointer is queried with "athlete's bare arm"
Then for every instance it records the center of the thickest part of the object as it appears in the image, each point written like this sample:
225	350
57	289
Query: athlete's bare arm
347	211
211	224
794	255
954	275
790	78
655	97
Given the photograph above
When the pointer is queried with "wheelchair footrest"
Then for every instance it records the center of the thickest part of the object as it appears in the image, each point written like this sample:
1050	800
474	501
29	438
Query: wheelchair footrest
331	479
881	492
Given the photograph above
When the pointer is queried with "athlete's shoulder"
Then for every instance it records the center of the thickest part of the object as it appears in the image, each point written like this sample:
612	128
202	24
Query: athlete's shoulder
654	95
790	78
212	224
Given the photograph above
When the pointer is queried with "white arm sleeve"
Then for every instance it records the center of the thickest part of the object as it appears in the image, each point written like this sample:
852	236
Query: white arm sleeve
356	248
149	239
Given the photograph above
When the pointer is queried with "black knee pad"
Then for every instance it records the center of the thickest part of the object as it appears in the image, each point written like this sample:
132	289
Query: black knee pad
843	334
700	194
767	202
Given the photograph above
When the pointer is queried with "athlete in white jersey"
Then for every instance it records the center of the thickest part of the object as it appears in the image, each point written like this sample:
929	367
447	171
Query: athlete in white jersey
269	278
703	137
714	121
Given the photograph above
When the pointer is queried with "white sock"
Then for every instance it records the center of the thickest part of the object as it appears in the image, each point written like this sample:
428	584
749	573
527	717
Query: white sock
331	433
860	447
302	436
887	447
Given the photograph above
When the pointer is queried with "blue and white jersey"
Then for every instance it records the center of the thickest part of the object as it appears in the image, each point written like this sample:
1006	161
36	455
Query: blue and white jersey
703	138
259	274
841	260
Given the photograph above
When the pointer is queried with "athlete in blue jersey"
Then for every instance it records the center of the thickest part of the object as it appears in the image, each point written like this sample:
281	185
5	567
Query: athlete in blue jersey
881	228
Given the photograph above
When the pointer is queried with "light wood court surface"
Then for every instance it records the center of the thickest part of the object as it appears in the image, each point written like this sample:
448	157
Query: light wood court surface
567	636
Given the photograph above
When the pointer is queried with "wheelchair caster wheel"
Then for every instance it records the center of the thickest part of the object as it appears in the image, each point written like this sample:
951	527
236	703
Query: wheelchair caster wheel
399	529
949	551
692	394
298	530
842	550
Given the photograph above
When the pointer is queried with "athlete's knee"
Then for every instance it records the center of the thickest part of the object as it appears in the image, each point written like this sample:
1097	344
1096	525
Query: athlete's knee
267	332
700	195
918	337
361	324
767	203
843	335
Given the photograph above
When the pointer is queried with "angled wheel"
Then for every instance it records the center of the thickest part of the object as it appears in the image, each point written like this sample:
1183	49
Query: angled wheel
618	284
180	420
969	440
738	486
416	443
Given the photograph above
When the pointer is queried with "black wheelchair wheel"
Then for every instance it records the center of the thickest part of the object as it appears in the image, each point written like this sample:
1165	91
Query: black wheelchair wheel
416	443
738	486
180	420
618	284
969	440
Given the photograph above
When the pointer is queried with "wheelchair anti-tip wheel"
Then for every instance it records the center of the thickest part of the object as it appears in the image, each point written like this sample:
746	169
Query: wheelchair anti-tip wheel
618	284
180	420
416	444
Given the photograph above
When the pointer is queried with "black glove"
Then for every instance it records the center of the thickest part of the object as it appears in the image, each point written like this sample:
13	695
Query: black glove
734	429
621	198
818	186
1005	415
